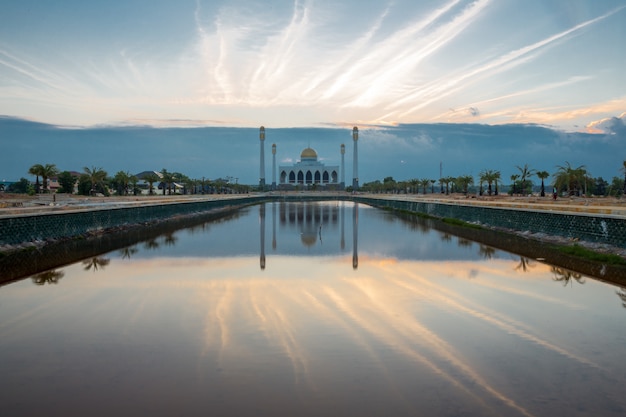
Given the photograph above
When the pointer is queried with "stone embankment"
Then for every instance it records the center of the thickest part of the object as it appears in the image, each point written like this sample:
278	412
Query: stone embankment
31	222
598	224
561	221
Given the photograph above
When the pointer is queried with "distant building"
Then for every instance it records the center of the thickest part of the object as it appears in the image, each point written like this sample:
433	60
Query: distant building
308	171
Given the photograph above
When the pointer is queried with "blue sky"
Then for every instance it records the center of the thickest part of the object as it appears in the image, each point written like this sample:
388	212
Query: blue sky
393	68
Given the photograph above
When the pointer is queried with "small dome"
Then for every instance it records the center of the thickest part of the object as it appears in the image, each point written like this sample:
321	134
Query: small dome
308	153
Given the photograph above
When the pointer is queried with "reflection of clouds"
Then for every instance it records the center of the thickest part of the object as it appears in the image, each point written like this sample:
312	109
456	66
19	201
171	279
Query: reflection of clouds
243	316
370	304
406	332
464	305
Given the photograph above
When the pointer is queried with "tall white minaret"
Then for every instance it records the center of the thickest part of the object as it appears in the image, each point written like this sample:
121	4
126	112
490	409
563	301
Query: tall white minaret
273	166
355	162
343	167
262	170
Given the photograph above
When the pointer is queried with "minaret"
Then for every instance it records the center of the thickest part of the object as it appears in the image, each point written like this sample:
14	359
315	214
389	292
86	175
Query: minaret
273	166
343	167
262	170
355	162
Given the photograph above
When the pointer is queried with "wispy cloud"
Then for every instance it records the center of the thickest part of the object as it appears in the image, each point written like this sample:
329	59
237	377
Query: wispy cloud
314	63
450	84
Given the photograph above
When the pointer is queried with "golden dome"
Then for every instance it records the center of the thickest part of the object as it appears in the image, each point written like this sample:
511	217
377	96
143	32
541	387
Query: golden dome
308	153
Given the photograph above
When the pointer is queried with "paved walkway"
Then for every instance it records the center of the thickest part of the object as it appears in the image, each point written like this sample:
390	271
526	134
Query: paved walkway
596	206
61	203
14	204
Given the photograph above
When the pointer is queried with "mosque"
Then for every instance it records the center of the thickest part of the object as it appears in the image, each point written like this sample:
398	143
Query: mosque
308	171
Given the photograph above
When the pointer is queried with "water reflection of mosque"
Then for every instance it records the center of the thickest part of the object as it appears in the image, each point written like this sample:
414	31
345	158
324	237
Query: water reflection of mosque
309	219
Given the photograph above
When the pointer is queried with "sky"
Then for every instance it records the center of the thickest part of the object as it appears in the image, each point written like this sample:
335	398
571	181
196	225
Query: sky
397	69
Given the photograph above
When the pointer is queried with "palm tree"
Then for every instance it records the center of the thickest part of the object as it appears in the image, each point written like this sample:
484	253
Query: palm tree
132	180
424	182
482	178
96	176
496	178
489	177
568	177
36	170
48	171
122	179
543	175
151	178
525	173
432	186
168	178
464	181
446	181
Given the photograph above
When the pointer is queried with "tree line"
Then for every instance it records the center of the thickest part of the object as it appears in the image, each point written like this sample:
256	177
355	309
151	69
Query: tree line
96	181
565	180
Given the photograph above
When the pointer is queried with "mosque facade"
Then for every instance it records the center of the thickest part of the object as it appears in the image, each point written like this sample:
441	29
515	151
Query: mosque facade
308	171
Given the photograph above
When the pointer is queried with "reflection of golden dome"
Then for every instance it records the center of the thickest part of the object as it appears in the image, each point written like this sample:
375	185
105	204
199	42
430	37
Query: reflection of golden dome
308	239
308	153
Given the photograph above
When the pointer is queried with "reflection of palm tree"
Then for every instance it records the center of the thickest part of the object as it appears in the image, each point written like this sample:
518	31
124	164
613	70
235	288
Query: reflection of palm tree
461	242
48	277
152	244
170	239
486	252
565	275
524	264
128	252
446	237
622	294
95	263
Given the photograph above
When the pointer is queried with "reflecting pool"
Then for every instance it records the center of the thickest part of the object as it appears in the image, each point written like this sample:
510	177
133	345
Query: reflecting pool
313	309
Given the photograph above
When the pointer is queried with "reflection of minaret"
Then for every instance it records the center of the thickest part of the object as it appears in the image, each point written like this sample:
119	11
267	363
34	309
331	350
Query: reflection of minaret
355	233
343	167
342	213
355	162
274	225
262	170
262	221
273	166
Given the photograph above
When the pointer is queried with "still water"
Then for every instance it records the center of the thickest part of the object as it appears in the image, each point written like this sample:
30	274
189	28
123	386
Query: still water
331	309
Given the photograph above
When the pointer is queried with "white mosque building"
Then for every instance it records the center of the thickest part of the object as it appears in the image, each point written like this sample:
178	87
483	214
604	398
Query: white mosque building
308	171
